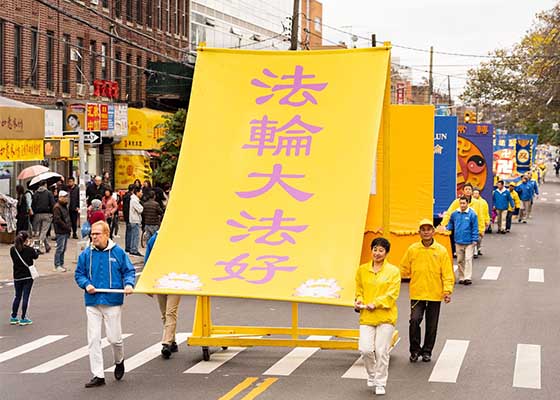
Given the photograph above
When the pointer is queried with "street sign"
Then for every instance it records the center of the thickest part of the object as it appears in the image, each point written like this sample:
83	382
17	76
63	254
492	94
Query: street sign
92	137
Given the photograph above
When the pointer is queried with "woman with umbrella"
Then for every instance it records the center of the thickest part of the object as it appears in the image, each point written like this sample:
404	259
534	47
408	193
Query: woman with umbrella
23	208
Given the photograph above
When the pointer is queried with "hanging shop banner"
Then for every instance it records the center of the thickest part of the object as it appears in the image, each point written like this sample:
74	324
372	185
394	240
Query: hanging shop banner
104	117
93	120
111	118
75	118
21	150
145	127
474	158
131	165
20	120
269	200
121	120
53	123
445	163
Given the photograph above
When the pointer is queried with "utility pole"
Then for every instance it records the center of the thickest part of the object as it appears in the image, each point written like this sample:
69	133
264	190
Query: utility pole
373	41
431	79
449	89
295	27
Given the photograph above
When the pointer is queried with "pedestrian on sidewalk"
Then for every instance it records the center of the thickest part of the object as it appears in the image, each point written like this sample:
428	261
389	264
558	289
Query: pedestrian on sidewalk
43	203
23	208
109	206
378	285
62	229
168	307
95	212
135	218
23	256
151	214
427	263
526	193
516	205
464	225
485	215
104	265
501	197
126	217
95	190
73	204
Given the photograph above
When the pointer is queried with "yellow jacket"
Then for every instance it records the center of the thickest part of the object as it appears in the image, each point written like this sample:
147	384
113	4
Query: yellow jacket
484	209
516	201
476	207
382	289
430	270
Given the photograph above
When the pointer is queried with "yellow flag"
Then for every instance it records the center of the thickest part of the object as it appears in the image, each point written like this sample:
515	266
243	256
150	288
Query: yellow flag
271	191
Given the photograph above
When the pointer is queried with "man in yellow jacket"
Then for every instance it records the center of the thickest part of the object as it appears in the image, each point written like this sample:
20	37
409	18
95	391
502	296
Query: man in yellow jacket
512	210
431	281
474	204
485	213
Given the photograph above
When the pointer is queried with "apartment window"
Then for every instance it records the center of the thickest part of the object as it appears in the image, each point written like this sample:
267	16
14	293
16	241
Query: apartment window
139	12
104	61
50	60
149	11
139	78
317	24
66	64
128	77
118	7
129	10
80	61
17	55
184	18
34	58
92	67
159	15
176	17
118	71
105	3
167	16
1	52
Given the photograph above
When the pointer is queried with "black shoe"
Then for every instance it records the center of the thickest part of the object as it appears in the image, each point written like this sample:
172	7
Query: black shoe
479	252
137	254
475	255
74	236
461	282
413	357
454	255
173	347
426	357
165	351
119	370
95	381
467	282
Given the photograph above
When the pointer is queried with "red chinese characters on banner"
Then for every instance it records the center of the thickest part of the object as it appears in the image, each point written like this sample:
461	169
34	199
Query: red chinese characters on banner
272	138
104	88
93	117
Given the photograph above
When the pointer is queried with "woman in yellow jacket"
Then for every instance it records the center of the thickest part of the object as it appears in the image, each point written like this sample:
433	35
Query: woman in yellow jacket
378	284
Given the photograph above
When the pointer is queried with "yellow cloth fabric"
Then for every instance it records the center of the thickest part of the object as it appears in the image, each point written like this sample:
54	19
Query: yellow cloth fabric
430	270
476	207
484	209
516	201
382	289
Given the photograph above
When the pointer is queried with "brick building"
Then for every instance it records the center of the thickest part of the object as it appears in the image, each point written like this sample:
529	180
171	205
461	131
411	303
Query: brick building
50	53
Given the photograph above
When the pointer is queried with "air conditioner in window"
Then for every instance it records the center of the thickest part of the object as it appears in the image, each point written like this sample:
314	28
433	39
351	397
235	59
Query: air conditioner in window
75	55
210	22
94	2
80	89
91	90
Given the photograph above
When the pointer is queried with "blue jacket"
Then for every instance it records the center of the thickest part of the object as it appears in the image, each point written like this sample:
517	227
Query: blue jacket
525	190
107	269
502	200
464	226
150	246
535	186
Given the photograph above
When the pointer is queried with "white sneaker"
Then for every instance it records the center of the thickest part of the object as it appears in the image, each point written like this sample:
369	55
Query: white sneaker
380	390
60	269
370	383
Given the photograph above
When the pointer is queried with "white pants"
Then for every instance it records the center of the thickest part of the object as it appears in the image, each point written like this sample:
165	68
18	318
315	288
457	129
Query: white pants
96	316
465	254
374	345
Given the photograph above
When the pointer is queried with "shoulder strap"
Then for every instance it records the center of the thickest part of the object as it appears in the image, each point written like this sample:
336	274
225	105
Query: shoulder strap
19	255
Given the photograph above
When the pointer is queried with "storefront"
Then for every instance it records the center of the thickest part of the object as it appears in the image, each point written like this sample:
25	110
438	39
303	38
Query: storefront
132	153
22	129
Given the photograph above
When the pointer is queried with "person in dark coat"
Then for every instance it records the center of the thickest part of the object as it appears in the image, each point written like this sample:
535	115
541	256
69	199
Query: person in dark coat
62	228
95	190
22	256
22	216
73	204
126	217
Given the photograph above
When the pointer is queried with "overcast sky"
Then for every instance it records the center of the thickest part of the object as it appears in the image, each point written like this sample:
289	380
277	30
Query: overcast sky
468	27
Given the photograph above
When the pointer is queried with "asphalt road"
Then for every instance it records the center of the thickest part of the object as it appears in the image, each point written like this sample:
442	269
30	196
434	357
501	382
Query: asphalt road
498	339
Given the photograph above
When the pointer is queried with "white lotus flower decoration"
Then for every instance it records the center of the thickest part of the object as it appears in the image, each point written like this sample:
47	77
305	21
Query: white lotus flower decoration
319	288
175	281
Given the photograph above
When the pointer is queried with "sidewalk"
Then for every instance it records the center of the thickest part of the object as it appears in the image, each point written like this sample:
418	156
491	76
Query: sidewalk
45	262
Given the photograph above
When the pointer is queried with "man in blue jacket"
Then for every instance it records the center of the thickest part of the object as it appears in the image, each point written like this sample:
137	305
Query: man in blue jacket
104	265
501	197
464	224
526	192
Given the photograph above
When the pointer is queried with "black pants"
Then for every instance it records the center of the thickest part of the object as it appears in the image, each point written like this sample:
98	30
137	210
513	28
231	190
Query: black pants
508	220
23	290
452	239
74	220
417	310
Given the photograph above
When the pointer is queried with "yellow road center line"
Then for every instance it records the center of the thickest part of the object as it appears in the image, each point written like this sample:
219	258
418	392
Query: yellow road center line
259	389
239	388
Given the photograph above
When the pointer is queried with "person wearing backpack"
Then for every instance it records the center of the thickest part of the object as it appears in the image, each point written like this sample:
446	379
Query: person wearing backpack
22	256
43	203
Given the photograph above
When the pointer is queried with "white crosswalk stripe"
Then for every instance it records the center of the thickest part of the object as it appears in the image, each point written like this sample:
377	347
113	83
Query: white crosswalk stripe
216	361
148	354
536	275
26	348
66	358
491	273
356	371
527	371
449	361
291	361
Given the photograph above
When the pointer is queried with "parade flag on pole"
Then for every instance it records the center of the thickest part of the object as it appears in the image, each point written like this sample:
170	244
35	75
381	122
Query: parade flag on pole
271	192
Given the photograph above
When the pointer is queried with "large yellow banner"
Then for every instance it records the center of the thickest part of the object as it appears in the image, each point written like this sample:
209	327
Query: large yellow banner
270	196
